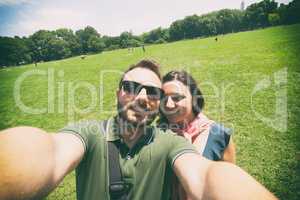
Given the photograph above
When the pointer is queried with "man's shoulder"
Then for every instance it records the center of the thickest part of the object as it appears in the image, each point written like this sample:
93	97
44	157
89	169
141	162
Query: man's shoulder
85	126
164	133
86	130
168	136
171	144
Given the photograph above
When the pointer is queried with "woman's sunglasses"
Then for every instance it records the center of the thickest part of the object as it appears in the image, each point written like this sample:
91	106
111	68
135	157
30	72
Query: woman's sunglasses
134	88
175	98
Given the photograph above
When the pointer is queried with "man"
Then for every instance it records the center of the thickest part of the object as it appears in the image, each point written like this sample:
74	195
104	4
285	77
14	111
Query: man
32	163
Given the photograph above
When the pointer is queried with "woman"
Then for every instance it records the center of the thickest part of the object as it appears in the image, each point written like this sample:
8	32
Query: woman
181	111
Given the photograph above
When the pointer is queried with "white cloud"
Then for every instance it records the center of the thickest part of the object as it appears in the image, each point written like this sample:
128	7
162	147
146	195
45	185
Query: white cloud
13	2
43	16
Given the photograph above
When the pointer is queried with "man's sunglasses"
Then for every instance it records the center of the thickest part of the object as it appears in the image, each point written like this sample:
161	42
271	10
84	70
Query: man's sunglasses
134	88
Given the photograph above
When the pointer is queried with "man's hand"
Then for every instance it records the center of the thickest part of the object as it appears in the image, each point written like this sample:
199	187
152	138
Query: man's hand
32	162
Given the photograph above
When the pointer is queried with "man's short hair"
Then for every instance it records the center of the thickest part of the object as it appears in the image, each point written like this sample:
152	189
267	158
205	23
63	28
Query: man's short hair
147	64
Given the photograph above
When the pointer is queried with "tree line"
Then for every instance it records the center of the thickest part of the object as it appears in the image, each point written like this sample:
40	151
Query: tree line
45	45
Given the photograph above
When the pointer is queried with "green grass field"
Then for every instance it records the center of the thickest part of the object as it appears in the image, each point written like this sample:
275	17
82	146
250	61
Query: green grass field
242	73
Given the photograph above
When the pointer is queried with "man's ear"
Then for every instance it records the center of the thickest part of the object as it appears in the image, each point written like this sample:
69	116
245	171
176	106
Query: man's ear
118	93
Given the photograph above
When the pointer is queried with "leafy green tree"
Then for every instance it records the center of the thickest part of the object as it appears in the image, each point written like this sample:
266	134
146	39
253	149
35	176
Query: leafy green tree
274	19
111	43
125	38
57	49
218	22
208	25
291	13
49	45
13	51
158	35
85	37
257	14
95	44
191	27
68	36
228	21
176	31
39	43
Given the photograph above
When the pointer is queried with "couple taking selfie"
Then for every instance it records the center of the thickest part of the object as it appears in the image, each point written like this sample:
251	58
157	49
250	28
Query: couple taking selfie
174	158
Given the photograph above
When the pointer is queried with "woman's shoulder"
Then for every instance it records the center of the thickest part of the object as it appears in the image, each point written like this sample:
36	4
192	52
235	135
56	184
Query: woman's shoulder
217	141
219	129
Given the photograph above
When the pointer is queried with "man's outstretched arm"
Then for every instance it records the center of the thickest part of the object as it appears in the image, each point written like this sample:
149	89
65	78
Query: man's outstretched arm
204	179
33	162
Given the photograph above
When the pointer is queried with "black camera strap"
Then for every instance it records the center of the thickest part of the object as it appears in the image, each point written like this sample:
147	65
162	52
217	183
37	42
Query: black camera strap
118	189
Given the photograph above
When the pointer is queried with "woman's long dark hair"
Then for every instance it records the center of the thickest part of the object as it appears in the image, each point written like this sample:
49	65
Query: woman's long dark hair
189	81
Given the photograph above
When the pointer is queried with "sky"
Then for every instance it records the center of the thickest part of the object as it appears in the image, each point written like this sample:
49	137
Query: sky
108	17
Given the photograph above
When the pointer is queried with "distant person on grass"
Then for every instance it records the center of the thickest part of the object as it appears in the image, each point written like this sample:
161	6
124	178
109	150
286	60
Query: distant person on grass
33	163
182	111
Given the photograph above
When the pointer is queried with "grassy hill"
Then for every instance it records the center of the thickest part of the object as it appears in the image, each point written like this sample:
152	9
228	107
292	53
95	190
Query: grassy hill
248	78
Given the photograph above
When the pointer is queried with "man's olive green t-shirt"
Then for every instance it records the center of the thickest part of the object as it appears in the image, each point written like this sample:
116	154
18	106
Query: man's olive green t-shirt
147	166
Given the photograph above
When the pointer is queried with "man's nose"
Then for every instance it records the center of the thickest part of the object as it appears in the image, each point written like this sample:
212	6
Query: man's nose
142	95
170	103
142	99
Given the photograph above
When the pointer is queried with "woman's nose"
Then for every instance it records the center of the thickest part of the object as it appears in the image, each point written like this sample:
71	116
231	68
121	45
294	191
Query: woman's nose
170	103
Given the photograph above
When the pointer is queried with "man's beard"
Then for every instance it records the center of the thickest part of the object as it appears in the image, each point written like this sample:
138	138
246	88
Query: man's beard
148	116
